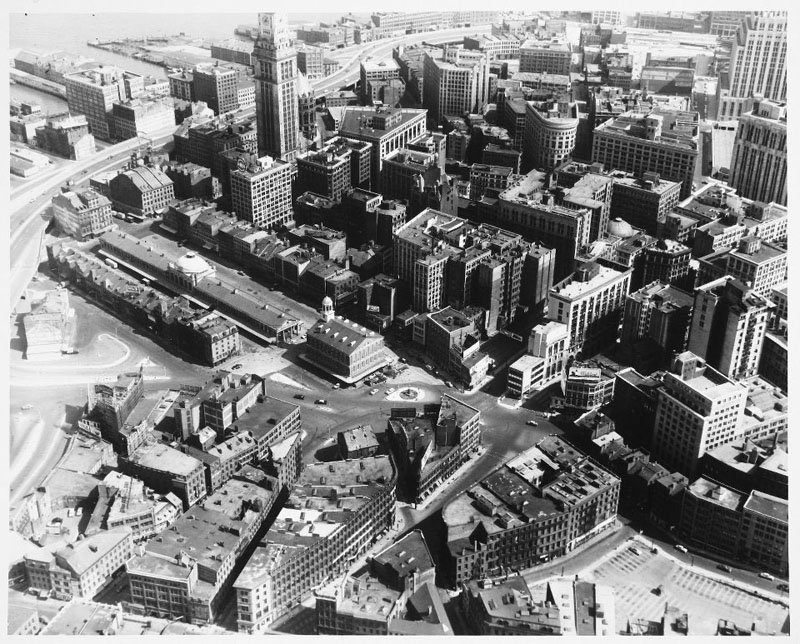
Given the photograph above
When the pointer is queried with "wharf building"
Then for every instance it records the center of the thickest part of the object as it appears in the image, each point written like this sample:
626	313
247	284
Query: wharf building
430	447
728	326
386	129
276	76
233	51
261	192
455	81
550	133
540	505
216	86
590	303
205	335
759	160
698	410
758	63
93	92
527	209
335	511
663	141
83	214
80	569
544	362
342	348
187	570
67	136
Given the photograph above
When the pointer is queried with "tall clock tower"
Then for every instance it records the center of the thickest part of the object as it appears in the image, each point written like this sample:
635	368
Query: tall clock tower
276	88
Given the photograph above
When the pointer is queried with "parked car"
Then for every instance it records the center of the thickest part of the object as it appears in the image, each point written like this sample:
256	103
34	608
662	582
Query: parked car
372	392
724	568
783	587
403	360
449	384
766	575
336	385
320	401
533	423
429	367
299	397
390	390
236	366
681	548
635	550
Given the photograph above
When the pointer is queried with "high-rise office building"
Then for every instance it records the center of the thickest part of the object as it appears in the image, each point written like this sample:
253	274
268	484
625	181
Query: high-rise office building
728	326
93	92
455	82
698	409
758	63
759	163
550	131
663	141
275	66
261	192
217	86
590	302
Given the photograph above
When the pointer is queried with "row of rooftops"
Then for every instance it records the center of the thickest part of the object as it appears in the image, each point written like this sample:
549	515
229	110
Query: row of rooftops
541	482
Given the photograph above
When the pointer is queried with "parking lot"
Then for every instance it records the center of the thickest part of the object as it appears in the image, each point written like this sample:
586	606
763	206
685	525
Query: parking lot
635	578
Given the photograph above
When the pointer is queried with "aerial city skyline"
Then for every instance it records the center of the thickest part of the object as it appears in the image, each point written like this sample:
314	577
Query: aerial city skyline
437	323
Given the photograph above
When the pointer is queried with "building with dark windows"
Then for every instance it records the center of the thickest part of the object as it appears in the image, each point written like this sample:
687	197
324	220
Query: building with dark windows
83	214
261	192
216	86
67	136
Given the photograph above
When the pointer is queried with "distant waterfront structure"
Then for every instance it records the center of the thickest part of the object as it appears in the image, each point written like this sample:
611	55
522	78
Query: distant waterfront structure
275	67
